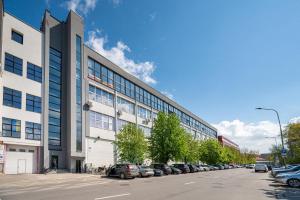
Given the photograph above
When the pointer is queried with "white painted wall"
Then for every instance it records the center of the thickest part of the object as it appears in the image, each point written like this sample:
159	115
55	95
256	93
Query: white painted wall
99	152
30	51
11	159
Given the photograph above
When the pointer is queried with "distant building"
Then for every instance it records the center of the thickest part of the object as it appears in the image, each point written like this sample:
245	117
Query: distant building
226	142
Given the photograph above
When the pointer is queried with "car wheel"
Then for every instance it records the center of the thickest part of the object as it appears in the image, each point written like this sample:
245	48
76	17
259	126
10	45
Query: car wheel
122	176
255	171
293	183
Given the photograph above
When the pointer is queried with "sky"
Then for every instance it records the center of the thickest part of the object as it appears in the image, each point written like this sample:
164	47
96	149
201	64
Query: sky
219	59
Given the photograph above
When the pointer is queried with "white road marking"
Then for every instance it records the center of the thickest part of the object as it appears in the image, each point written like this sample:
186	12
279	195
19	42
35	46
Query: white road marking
113	196
188	183
86	184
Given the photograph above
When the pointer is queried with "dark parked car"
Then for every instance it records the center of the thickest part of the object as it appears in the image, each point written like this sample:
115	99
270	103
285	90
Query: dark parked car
123	171
175	170
158	172
219	166
193	168
183	167
164	167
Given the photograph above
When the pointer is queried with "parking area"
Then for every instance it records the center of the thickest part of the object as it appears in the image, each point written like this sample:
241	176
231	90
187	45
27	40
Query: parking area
233	184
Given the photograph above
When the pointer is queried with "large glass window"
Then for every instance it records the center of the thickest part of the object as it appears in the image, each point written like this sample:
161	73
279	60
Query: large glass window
121	124
54	120
78	95
100	73
125	105
98	120
146	130
144	113
34	72
12	98
18	37
33	131
101	96
13	64
11	128
33	103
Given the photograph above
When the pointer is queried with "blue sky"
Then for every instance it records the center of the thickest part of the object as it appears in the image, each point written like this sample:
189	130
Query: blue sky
220	59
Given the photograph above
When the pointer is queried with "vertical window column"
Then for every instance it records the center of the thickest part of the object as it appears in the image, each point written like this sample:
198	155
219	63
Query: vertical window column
78	96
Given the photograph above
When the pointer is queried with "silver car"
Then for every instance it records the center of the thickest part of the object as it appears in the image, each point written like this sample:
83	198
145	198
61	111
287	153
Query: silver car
145	171
261	168
292	179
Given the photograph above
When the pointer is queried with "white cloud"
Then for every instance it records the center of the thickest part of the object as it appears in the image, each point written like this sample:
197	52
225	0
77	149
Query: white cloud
80	6
142	70
168	94
295	120
250	135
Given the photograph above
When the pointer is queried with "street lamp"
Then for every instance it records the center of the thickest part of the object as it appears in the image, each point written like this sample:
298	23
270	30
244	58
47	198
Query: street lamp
281	135
275	138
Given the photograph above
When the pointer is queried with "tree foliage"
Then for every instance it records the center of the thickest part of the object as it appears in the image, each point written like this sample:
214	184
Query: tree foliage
167	141
191	153
292	136
211	152
131	144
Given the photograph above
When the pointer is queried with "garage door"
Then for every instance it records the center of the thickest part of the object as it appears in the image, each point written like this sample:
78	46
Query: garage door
100	153
18	163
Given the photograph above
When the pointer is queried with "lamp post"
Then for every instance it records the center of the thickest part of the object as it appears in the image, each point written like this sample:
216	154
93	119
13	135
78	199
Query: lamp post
275	140
281	135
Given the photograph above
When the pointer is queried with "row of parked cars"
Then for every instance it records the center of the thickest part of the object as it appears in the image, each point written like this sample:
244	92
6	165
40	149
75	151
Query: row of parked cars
289	175
125	171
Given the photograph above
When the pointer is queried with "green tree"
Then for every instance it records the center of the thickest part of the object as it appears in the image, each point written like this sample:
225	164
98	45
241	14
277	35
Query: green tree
131	144
275	155
167	141
292	135
191	154
211	152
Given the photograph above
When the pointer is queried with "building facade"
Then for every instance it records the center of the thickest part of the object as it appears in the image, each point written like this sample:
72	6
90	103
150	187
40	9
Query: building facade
227	142
62	104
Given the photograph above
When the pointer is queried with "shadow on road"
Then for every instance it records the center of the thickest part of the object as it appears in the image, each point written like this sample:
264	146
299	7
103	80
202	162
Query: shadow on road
280	191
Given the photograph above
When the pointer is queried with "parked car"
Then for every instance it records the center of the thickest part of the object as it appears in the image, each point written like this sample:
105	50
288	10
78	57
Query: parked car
123	171
175	170
290	169
183	167
292	179
193	168
213	167
204	167
226	166
164	167
158	172
261	168
250	166
145	171
200	169
220	167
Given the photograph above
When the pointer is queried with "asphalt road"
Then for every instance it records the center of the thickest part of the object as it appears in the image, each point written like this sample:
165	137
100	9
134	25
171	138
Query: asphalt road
233	184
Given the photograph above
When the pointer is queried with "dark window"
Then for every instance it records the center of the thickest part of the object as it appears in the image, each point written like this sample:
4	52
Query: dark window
11	128
13	64
18	37
78	95
33	131
34	72
54	120
12	98
33	103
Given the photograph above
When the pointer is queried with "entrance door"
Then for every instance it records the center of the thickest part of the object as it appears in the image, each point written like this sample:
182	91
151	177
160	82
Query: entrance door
54	162
78	166
21	166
